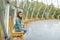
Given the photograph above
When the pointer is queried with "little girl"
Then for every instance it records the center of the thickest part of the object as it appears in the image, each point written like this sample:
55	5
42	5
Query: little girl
18	25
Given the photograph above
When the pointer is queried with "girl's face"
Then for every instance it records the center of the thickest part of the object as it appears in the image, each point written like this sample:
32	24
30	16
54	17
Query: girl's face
20	14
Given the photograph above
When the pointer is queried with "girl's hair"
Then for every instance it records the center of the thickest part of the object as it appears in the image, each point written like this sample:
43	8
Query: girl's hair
18	15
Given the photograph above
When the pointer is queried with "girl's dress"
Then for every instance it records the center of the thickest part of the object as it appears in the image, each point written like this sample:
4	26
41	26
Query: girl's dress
18	26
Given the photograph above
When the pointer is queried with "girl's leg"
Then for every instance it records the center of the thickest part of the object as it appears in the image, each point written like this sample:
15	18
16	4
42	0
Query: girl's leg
23	29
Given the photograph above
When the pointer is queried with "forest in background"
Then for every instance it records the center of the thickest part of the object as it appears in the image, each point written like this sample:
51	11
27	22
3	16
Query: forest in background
36	8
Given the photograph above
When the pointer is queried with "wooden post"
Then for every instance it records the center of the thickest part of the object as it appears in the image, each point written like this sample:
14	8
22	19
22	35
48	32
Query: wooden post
0	35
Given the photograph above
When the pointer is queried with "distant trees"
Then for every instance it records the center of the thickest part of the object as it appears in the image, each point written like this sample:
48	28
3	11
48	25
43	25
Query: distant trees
39	8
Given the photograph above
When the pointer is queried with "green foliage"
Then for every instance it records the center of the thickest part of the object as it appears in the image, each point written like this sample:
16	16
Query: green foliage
45	9
2	6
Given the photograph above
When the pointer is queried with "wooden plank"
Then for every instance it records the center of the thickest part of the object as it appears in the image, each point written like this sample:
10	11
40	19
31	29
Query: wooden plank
0	35
0	32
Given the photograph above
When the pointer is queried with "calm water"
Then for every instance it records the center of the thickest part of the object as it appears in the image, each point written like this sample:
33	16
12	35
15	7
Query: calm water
43	30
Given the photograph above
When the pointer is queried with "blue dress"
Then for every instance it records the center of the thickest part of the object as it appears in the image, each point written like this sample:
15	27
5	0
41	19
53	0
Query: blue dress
18	26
